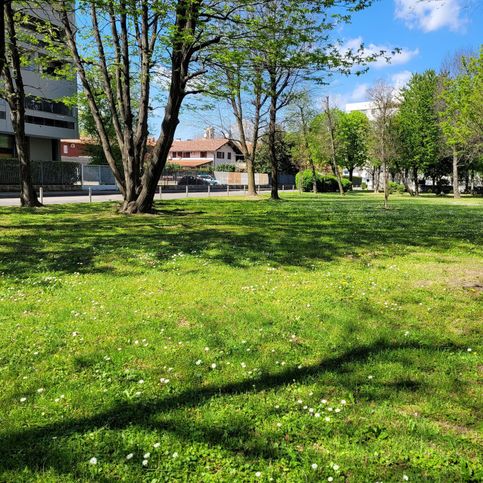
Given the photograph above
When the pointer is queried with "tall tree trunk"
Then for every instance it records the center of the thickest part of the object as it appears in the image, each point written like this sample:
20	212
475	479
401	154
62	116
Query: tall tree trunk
28	196
384	167
237	106
416	181
405	180
386	185
2	37
307	149
272	134
16	101
333	149
351	174
251	186
456	181
159	156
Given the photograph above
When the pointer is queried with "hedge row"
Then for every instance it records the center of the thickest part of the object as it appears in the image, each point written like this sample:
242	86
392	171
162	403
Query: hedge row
325	183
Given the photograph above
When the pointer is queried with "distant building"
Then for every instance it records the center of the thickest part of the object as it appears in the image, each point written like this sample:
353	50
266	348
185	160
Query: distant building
47	120
366	108
76	150
206	152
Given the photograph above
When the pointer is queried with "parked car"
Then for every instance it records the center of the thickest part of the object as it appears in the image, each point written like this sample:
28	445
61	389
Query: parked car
192	181
210	179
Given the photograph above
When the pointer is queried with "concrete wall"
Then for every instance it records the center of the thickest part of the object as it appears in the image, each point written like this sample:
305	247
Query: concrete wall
235	179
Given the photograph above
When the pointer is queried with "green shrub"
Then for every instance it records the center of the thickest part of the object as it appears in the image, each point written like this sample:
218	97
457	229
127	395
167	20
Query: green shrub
396	187
325	184
363	185
225	168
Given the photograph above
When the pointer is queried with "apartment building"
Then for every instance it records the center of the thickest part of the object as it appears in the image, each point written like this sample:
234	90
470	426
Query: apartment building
48	120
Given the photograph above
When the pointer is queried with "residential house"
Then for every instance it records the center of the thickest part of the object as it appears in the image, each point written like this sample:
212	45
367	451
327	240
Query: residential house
197	153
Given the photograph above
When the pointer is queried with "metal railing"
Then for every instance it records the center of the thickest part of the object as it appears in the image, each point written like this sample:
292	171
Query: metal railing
57	173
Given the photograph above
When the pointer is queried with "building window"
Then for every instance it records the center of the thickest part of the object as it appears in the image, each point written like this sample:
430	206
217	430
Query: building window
45	105
186	155
3	115
66	149
6	146
43	121
229	155
203	154
220	155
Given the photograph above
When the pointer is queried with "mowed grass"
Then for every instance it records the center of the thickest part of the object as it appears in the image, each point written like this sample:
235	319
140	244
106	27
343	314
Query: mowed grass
315	339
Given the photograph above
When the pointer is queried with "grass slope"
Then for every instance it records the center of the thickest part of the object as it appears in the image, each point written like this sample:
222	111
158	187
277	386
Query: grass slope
316	339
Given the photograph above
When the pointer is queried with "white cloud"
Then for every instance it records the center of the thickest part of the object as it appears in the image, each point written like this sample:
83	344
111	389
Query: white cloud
400	79
360	92
392	56
431	15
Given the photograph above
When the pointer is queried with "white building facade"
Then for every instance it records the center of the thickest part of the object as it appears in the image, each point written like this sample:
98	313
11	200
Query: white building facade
48	120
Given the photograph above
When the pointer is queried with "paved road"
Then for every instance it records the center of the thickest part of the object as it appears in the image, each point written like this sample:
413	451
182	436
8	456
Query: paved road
56	199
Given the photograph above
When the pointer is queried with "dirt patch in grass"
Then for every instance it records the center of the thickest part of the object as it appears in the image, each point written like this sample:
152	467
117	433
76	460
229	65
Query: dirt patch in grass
471	280
458	277
460	430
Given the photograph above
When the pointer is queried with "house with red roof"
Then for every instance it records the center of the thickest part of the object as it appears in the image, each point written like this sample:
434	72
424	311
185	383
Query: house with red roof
199	153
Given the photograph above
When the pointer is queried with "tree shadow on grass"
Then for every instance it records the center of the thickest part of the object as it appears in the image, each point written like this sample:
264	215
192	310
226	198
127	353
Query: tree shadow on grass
37	449
297	233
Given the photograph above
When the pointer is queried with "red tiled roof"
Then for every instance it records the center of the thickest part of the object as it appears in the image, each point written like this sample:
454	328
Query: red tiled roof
199	145
191	163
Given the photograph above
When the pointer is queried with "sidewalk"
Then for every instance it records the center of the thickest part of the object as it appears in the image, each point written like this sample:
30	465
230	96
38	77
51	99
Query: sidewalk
6	199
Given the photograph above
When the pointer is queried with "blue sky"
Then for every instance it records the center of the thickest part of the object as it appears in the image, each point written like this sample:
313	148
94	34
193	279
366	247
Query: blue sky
426	30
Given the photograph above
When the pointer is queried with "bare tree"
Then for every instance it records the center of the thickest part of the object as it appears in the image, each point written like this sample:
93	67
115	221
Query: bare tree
382	96
300	115
237	77
131	39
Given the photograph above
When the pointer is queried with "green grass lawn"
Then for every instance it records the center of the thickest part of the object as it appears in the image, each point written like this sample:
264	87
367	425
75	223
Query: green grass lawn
315	339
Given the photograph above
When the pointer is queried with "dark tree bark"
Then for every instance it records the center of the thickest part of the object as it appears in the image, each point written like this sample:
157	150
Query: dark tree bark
272	133
416	183
16	101
456	181
351	174
2	37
